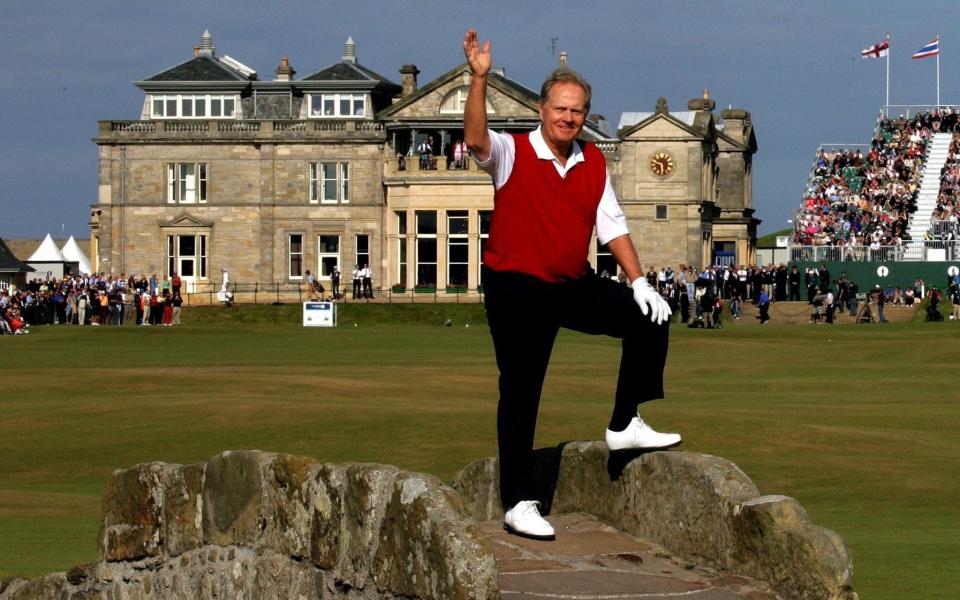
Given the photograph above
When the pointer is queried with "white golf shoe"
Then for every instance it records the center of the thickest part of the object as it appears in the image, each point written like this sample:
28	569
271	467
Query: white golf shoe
639	435
524	520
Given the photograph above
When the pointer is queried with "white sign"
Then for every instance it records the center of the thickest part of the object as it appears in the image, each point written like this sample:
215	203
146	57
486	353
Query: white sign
953	271
882	271
319	314
783	241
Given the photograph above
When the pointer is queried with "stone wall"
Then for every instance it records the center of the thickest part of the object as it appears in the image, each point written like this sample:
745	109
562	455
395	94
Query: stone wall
258	525
700	507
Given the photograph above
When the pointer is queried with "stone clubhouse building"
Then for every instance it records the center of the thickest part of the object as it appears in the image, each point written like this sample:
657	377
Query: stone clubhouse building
269	178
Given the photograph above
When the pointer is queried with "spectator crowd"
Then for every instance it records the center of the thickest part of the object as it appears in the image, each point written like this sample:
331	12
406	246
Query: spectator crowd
92	300
861	204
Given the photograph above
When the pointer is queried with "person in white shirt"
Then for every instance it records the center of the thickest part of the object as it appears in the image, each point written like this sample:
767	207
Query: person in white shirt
551	191
366	277
355	276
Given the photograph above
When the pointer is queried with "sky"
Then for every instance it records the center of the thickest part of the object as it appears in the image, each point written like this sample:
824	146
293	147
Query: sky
795	66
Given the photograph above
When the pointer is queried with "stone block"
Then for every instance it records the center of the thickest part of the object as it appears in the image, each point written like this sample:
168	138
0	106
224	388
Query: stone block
132	514
429	548
774	540
366	490
327	504
232	497
685	501
182	508
478	484
286	516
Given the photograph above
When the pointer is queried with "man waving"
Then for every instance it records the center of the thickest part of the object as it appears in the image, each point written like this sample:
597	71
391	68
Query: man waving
551	190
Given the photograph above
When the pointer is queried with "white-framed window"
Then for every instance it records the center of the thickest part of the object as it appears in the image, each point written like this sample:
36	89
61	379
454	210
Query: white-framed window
402	247
363	249
295	256
187	256
328	254
454	102
330	106
458	248
426	248
193	106
186	183
486	218
606	263
329	182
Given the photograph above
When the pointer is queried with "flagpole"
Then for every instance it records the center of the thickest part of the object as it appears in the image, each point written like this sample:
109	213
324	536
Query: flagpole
886	110
938	71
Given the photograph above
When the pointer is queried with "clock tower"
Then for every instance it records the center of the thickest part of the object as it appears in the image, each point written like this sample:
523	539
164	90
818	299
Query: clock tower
683	179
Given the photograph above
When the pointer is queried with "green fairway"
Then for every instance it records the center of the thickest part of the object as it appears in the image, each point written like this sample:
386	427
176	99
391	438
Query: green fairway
858	423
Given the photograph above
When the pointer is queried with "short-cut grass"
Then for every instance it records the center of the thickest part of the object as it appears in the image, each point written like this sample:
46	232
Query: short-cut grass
858	423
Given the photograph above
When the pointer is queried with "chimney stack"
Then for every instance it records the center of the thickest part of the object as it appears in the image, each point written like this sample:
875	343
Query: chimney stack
350	51
736	121
705	104
284	71
196	51
563	59
408	78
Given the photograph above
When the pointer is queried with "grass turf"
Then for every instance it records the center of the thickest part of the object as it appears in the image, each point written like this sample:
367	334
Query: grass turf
858	423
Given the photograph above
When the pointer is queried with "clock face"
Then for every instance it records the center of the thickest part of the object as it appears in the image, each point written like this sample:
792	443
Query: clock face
661	164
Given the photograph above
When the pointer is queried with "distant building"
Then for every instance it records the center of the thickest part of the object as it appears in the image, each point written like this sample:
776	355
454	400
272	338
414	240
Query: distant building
13	271
270	178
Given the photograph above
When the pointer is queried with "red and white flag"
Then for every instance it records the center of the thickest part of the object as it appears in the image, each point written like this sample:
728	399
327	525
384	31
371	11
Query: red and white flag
877	50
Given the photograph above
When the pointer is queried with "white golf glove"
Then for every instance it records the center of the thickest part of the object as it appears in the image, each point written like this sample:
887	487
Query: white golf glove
650	301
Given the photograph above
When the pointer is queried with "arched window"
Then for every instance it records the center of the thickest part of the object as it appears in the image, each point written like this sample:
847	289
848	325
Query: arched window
454	102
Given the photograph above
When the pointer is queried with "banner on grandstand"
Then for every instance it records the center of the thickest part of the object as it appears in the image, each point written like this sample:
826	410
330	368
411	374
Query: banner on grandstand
878	50
931	49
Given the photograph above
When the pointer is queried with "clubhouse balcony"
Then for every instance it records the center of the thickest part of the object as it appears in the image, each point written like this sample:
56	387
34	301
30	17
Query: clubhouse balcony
239	130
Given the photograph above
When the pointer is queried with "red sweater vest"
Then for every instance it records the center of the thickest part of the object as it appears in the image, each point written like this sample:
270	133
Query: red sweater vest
542	223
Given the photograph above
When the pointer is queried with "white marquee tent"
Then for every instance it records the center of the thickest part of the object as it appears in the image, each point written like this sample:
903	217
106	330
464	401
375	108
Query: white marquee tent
72	252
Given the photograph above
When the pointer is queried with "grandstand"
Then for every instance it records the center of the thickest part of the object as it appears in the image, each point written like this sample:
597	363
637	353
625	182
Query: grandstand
885	212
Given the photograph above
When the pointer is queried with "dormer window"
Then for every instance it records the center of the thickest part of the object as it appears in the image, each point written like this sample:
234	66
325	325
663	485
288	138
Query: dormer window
332	106
454	102
193	106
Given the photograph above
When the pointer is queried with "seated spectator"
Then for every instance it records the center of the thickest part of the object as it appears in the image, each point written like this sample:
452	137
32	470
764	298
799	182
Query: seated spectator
858	205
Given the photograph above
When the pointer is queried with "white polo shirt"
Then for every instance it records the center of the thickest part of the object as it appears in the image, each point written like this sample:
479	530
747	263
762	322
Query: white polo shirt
611	222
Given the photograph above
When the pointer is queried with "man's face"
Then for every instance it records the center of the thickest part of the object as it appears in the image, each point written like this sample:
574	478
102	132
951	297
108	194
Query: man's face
562	114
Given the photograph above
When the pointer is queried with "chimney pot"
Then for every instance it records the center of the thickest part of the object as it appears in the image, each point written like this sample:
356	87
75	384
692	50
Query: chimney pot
408	79
284	71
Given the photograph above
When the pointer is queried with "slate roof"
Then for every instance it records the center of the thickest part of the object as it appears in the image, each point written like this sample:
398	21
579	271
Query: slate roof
200	68
348	71
10	263
629	119
517	87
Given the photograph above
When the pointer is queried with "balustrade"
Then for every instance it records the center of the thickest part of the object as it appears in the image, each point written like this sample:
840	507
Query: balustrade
242	129
913	251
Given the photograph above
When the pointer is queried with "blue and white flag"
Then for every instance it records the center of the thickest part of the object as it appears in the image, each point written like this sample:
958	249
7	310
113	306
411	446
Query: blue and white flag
931	49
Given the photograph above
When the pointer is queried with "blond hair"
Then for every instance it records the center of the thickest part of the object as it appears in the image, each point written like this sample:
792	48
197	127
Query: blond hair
565	75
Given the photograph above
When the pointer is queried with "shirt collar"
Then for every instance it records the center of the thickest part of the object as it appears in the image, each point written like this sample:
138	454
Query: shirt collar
543	151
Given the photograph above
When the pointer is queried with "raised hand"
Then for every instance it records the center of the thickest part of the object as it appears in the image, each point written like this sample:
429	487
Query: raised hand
479	58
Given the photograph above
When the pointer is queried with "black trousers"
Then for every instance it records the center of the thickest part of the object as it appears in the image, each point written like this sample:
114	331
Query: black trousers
525	315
